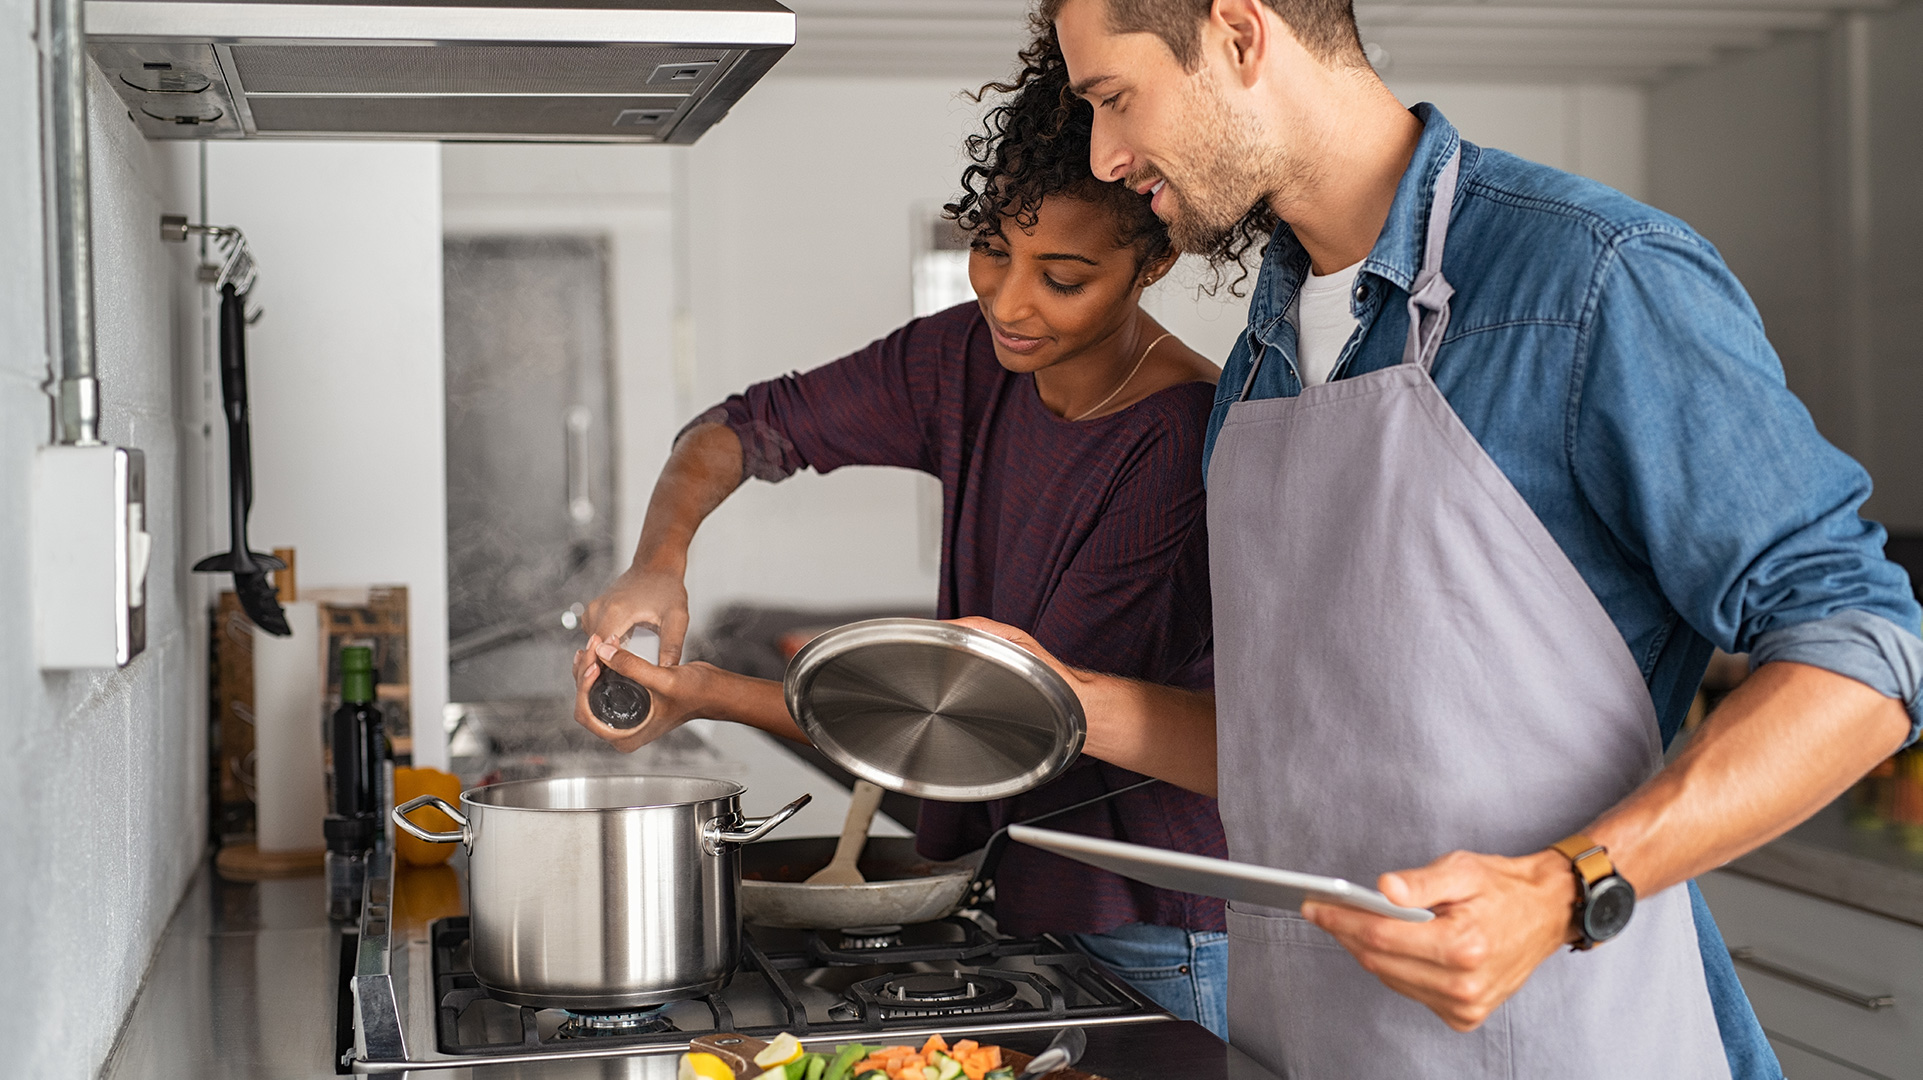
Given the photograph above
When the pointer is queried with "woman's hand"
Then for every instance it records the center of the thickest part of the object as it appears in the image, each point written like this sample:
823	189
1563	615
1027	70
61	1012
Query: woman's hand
676	694
643	597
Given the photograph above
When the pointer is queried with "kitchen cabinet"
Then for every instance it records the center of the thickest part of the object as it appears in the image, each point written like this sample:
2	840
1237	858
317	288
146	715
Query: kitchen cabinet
1811	943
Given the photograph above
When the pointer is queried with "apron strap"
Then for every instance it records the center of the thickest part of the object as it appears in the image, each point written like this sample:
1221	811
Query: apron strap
1430	292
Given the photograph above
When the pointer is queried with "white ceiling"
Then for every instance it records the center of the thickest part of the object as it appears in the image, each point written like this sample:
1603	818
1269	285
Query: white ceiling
1481	40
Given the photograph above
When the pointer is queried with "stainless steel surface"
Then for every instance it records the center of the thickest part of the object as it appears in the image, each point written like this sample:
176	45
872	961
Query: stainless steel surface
935	710
1065	1049
241	987
604	892
528	348
454	836
580	426
1745	957
72	223
902	887
540	70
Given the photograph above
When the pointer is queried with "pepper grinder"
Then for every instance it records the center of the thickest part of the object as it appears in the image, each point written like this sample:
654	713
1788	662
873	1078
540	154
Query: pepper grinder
618	701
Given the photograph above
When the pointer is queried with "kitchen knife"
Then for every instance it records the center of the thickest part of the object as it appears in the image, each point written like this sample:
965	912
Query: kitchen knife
1064	1049
256	593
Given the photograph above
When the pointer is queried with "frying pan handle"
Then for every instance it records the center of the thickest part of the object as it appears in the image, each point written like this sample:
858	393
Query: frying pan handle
998	843
715	834
418	833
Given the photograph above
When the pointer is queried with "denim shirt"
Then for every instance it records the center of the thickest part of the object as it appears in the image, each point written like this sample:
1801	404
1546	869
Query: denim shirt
1617	373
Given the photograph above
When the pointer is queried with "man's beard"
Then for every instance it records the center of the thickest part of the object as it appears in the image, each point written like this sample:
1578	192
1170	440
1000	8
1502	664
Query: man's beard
1230	172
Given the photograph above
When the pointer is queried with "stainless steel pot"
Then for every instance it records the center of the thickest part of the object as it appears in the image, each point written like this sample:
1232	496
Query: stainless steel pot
602	892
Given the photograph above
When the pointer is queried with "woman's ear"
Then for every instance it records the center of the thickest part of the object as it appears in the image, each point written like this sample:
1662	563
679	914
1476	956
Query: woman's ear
1156	269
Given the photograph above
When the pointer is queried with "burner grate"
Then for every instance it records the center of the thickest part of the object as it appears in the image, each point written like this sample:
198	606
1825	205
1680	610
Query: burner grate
955	973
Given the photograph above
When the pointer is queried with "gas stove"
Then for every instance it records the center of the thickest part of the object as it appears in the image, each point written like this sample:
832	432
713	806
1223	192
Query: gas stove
414	1002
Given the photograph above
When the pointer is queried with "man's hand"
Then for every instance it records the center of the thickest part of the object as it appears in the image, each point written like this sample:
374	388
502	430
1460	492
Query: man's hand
1496	919
677	694
643	597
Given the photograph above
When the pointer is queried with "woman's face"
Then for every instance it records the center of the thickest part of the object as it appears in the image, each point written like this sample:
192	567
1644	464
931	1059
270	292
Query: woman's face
1051	292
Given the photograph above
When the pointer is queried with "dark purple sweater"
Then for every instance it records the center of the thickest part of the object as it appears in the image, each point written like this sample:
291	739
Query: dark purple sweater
1089	535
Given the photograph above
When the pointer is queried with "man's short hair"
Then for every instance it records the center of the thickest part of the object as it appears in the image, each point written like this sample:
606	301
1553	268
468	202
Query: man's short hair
1325	27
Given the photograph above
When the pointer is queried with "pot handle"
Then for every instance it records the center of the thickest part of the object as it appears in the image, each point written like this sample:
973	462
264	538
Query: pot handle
418	833
751	829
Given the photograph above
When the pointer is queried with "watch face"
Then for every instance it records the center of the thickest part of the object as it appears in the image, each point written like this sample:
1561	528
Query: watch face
1611	902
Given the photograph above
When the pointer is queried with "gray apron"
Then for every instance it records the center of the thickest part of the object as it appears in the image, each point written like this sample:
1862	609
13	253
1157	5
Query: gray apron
1407	664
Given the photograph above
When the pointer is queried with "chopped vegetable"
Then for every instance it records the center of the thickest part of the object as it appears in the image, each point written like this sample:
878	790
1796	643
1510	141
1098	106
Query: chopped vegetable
816	1066
843	1067
700	1066
782	1049
1002	1074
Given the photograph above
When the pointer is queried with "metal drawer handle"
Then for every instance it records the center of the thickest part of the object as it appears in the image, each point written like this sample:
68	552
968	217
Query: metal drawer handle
1871	1002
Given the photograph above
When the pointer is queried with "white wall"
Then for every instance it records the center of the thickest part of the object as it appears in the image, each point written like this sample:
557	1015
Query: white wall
102	773
344	376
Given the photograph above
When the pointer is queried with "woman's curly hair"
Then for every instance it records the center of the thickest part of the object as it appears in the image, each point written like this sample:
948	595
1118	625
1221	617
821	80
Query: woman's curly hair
1035	143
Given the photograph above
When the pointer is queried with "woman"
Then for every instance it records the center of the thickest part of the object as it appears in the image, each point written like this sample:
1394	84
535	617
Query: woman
1066	427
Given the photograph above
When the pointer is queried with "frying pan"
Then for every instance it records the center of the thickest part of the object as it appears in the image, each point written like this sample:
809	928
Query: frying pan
901	886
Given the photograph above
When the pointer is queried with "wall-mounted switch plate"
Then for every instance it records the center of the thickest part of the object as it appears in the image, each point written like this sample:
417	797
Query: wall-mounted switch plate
91	550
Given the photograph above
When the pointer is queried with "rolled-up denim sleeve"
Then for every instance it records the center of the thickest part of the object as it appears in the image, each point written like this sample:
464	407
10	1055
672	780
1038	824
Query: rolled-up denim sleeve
1868	648
1688	444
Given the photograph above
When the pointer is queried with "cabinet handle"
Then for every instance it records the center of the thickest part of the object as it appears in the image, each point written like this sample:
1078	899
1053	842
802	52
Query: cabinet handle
1871	1002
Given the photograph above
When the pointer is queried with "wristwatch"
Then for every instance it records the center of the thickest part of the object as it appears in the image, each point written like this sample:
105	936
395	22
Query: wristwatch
1604	899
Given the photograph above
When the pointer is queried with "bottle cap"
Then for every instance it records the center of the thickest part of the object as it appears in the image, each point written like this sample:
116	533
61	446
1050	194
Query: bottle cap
357	675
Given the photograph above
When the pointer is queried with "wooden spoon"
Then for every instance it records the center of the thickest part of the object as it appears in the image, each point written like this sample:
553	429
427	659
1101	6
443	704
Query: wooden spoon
854	836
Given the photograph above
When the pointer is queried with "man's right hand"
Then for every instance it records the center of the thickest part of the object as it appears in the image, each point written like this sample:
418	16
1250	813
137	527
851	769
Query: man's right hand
639	597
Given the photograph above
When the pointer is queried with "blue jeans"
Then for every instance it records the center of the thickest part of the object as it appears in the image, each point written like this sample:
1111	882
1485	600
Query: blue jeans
1185	972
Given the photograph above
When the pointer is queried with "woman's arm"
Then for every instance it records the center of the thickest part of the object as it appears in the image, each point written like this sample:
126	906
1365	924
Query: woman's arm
702	471
679	694
1159	731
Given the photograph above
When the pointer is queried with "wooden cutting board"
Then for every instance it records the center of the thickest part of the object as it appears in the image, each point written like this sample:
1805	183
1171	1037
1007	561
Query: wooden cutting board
739	1051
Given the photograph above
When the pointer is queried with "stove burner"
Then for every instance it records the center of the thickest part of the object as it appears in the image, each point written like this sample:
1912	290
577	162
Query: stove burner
937	993
871	937
634	1022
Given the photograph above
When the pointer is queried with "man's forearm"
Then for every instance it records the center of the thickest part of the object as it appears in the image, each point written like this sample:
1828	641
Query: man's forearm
1159	731
1784	744
702	471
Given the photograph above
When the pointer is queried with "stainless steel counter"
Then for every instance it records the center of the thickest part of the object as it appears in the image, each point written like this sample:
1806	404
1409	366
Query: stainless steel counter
242	987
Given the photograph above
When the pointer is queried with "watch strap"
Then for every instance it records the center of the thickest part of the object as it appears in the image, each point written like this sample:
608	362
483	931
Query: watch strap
1591	860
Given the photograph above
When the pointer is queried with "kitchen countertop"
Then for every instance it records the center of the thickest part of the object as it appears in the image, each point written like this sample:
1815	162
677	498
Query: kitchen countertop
1829	858
243	987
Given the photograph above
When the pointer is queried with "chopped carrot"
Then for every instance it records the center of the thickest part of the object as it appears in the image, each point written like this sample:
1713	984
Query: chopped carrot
994	1054
965	1047
934	1043
973	1071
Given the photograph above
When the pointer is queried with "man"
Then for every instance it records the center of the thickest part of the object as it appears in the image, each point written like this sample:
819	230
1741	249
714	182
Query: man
1501	456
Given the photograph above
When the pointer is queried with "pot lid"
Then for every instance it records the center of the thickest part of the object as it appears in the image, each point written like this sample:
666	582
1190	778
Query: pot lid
935	710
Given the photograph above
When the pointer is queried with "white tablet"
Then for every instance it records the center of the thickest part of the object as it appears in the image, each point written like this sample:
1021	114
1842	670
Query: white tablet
1213	877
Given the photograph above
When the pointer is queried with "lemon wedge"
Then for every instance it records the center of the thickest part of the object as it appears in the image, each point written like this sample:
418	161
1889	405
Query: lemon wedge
703	1067
783	1049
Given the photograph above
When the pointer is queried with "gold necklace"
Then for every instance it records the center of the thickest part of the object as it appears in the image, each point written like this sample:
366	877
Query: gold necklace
1125	380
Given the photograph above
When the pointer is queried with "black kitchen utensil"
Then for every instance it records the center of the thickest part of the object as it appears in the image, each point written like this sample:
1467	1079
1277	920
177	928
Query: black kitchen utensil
257	594
1065	1049
618	701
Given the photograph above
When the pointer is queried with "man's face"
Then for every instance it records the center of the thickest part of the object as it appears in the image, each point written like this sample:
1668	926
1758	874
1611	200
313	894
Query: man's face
1160	128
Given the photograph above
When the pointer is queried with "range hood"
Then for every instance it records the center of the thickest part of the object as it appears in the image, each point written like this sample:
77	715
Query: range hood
488	70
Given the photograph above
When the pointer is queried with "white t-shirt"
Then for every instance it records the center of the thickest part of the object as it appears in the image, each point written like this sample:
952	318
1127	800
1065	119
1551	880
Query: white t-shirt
1323	322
